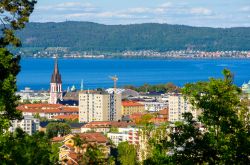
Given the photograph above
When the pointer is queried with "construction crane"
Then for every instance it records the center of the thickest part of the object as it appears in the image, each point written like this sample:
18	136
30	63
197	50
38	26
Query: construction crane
115	79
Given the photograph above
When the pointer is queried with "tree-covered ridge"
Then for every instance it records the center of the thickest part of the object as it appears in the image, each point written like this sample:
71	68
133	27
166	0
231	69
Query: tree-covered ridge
150	36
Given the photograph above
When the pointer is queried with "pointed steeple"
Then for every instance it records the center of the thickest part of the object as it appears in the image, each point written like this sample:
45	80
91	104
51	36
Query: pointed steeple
56	76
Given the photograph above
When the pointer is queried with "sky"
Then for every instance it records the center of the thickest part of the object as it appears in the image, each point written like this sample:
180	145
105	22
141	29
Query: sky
209	13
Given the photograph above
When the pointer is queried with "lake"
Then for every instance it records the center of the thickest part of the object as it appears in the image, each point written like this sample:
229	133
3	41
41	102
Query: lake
36	73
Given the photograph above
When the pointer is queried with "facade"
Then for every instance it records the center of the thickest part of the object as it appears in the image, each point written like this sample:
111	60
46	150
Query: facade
105	126
70	153
55	85
29	125
154	106
130	135
33	96
131	107
99	106
179	105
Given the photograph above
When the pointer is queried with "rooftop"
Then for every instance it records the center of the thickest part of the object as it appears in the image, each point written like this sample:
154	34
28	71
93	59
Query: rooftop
131	103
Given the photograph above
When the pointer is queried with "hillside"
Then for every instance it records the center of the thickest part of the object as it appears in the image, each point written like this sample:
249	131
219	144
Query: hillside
82	36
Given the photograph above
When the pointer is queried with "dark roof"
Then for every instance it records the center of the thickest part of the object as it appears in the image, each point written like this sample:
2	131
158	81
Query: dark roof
69	102
43	124
56	76
76	125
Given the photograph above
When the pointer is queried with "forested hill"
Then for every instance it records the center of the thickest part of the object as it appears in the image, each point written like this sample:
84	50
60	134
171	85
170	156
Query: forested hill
150	36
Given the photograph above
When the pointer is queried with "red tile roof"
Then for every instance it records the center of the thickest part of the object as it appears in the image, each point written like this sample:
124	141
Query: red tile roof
94	137
47	108
66	117
131	104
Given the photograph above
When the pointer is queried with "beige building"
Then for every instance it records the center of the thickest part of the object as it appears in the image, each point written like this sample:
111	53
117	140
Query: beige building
131	107
99	106
179	105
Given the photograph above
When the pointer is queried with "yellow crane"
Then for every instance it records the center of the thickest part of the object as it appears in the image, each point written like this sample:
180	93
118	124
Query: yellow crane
115	79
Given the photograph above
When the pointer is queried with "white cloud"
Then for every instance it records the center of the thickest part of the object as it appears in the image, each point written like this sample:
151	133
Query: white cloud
245	9
138	10
200	11
67	6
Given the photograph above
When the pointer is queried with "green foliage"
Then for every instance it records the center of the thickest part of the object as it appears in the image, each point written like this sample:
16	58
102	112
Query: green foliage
225	118
168	87
14	14
54	129
20	148
94	155
127	154
113	129
9	68
222	111
54	156
88	36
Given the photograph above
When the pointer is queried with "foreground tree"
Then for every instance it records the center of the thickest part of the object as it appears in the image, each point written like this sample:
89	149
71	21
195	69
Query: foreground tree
225	118
226	137
127	154
20	148
13	16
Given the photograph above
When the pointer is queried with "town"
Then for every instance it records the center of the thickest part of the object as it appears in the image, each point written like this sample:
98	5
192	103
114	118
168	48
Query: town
103	117
181	54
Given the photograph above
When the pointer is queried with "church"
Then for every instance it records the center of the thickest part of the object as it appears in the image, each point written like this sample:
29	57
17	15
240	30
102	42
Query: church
56	93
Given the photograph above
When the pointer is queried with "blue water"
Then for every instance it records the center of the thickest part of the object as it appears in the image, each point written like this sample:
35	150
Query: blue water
36	73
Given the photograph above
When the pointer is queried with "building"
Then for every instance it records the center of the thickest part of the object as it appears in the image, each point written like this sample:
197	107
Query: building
126	93
131	107
99	106
33	96
55	85
48	111
154	106
246	89
105	126
130	135
71	154
179	105
28	124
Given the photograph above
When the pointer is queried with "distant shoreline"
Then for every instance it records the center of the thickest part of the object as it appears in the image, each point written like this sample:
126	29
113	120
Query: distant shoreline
146	58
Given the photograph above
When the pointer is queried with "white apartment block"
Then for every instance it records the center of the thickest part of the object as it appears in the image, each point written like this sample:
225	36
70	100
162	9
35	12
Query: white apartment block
130	135
179	105
154	106
99	106
29	125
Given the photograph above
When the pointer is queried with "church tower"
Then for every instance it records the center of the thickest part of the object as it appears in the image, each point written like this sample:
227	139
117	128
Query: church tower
55	85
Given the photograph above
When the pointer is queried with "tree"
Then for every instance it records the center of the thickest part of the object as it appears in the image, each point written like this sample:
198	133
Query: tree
94	155
9	68
54	156
20	148
55	129
225	118
227	132
127	154
14	14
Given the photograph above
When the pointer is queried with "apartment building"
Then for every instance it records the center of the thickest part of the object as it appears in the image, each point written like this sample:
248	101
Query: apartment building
99	106
179	105
28	124
131	107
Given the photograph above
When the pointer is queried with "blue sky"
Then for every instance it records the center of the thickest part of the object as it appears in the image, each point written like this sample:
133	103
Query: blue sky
211	13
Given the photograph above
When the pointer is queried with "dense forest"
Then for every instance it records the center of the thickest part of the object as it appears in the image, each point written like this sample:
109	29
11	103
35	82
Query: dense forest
86	36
